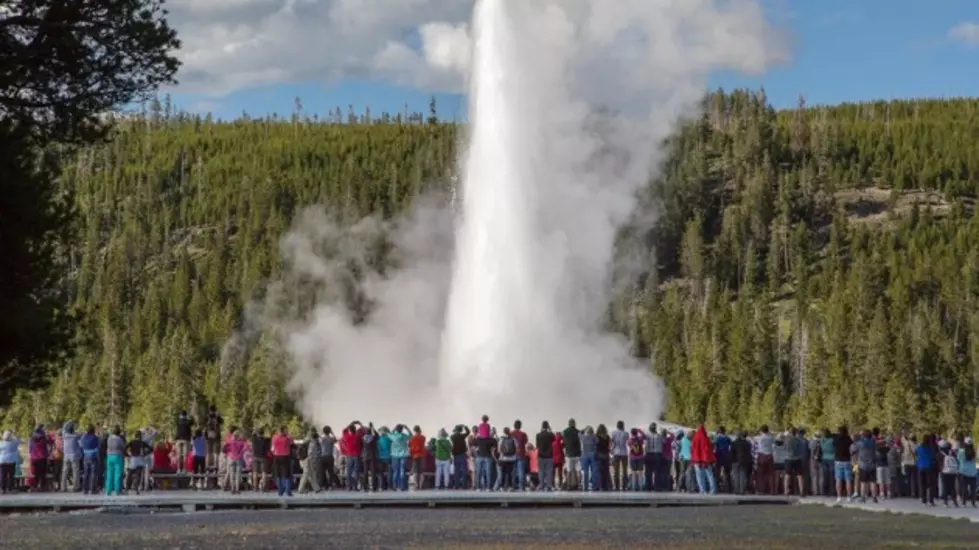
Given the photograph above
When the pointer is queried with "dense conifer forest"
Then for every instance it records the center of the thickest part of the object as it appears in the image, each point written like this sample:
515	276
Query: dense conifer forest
813	265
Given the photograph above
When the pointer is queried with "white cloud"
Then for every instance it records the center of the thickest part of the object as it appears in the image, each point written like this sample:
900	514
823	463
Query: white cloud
236	44
966	32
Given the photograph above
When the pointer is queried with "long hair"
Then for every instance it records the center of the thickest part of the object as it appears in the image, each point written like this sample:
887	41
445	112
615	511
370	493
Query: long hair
970	451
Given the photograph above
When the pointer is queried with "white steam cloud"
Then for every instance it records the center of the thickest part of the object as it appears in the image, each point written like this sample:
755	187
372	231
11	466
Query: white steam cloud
446	340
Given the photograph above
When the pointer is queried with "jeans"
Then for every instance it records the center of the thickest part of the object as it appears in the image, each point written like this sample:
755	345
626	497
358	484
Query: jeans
398	479
740	475
651	471
602	479
911	481
353	472
588	473
460	464
442	478
282	470
483	465
72	468
620	472
968	489
546	467
705	479
521	472
113	474
507	467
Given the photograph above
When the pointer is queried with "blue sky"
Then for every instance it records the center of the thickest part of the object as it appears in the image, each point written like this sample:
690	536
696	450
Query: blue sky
843	51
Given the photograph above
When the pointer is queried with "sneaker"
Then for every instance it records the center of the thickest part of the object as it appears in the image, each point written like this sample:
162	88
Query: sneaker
839	501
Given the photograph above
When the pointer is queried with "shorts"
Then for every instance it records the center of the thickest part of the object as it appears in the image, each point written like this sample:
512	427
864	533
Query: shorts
868	475
260	466
793	467
636	464
416	465
843	471
883	475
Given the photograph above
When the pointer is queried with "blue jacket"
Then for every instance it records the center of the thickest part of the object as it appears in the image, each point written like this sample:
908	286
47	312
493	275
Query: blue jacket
384	447
926	459
90	445
722	448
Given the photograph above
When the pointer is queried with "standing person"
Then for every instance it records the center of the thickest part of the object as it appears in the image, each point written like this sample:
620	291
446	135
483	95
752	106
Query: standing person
184	431
703	459
882	449
572	454
443	460
508	459
484	462
866	465
909	465
138	451
460	456
260	464
416	447
663	479
328	449
352	446
827	461
842	469
368	458
282	462
620	456
652	459
685	472
310	463
212	433
603	450
967	471
115	448
637	458
742	462
199	460
399	457
72	467
722	450
9	454
522	465
558	453
766	483
950	472
794	470
384	457
90	460
589	471
234	451
545	456
40	452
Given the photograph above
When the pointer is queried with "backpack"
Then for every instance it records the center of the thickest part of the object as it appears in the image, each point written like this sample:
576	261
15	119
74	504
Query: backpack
303	451
508	447
951	464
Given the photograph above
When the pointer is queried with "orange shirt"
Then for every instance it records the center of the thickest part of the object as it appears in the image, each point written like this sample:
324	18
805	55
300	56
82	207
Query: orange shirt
416	446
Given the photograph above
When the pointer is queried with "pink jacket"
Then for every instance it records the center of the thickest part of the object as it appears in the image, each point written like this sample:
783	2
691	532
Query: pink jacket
235	449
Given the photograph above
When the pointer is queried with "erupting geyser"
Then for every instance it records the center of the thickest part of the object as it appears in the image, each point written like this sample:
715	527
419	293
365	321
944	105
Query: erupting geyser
499	307
523	332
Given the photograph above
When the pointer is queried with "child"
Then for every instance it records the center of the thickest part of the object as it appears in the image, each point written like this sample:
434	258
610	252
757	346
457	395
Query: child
950	472
636	459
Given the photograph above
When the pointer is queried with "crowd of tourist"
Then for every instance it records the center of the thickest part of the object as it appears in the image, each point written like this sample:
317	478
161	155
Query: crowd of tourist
868	465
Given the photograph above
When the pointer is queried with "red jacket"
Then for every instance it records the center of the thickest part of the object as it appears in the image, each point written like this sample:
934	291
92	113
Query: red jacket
701	449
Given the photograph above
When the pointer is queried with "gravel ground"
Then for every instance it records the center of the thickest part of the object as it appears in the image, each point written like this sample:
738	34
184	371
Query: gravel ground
703	528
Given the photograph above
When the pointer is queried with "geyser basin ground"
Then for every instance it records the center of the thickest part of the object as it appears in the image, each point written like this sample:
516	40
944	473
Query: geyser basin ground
716	527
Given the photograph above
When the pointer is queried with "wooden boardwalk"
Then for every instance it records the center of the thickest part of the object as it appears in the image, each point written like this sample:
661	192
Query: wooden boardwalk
219	500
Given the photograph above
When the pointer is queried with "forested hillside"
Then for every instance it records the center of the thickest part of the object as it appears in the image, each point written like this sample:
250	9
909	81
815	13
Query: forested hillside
814	265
